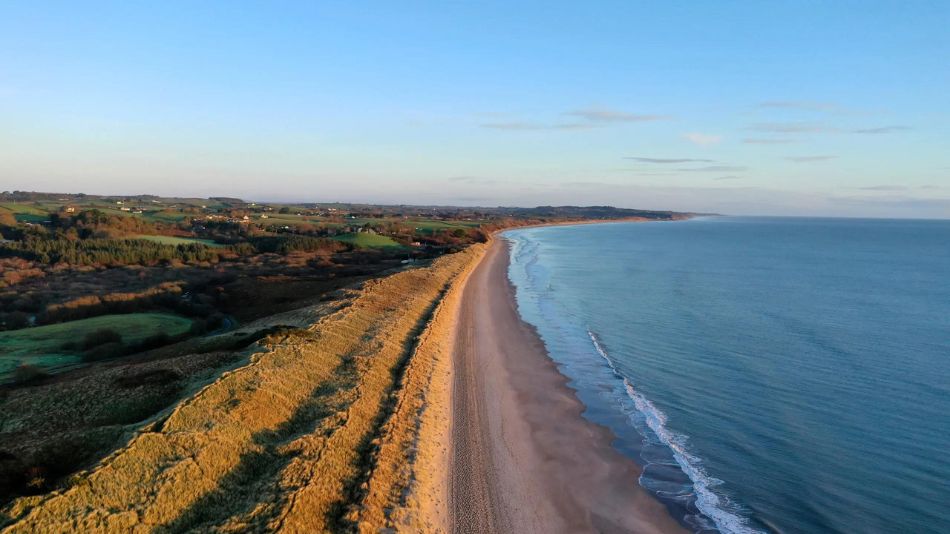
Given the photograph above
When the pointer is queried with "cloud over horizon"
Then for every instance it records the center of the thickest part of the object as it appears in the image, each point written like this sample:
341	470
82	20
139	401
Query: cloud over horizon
612	115
790	127
767	141
808	159
668	160
583	119
800	104
715	168
702	139
881	130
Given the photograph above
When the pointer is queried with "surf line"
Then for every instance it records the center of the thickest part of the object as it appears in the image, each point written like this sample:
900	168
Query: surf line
707	501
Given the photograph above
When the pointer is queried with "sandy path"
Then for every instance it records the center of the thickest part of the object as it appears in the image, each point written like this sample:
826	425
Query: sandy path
523	458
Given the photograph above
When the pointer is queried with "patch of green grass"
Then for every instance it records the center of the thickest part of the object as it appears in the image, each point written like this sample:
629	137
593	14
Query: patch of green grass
42	346
168	216
367	240
26	212
441	225
172	240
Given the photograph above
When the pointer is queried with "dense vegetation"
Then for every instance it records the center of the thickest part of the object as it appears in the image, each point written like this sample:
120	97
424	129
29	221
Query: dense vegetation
138	301
109	252
71	257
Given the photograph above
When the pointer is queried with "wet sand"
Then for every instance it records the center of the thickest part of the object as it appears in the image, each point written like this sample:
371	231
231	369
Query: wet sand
523	459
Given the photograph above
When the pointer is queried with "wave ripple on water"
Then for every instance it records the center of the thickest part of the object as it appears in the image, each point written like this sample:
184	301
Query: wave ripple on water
715	507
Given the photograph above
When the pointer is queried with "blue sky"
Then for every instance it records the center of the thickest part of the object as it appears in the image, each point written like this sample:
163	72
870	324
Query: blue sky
810	108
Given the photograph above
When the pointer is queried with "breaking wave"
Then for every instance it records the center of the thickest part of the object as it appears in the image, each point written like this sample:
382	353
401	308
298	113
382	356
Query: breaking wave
715	507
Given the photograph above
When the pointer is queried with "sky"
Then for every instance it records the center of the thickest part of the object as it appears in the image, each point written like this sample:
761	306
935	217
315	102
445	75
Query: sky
771	108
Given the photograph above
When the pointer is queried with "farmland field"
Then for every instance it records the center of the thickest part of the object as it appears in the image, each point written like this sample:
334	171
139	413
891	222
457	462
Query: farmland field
166	216
42	346
172	240
25	212
367	240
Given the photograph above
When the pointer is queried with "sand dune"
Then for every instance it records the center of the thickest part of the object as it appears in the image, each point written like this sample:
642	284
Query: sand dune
288	442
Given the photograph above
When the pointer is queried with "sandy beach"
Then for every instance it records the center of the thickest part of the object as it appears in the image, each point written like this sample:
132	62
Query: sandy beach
523	459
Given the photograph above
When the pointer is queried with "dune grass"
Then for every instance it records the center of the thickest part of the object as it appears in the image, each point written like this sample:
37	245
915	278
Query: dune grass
286	443
42	346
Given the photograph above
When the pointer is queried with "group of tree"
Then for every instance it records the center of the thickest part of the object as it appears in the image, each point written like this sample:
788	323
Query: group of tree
98	224
285	244
106	252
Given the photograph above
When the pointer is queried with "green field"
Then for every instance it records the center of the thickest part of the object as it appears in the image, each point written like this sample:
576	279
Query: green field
26	212
166	216
172	240
430	226
42	346
367	240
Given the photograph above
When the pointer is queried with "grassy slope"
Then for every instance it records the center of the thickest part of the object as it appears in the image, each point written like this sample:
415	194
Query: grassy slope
42	345
285	443
171	240
26	212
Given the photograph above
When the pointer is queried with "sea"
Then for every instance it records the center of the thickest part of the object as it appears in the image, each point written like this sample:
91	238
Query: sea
785	375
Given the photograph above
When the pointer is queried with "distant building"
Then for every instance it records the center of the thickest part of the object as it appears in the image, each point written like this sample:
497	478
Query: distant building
70	209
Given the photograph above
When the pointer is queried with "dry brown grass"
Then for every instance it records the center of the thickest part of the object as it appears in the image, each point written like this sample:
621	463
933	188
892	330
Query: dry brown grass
406	491
287	442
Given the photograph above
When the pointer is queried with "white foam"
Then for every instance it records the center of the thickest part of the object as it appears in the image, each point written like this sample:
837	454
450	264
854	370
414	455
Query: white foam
713	506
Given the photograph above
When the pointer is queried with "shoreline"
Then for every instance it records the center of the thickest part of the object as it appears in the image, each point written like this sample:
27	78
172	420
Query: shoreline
523	457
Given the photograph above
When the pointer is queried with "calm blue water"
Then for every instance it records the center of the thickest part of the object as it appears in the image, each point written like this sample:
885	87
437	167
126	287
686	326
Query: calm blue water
771	374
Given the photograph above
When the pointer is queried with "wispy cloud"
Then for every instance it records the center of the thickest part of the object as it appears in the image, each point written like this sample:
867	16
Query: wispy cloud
881	130
809	159
612	115
587	184
898	187
767	141
895	201
580	119
516	125
668	160
791	127
883	188
800	104
702	139
475	180
715	168
729	177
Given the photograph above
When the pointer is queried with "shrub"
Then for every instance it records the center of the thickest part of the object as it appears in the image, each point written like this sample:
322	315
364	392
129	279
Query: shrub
104	352
101	337
17	319
26	373
154	341
198	327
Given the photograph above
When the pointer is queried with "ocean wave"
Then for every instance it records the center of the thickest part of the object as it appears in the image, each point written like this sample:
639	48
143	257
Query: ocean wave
715	507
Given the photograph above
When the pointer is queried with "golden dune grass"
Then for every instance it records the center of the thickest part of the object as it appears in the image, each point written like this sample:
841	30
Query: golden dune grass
406	491
287	442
